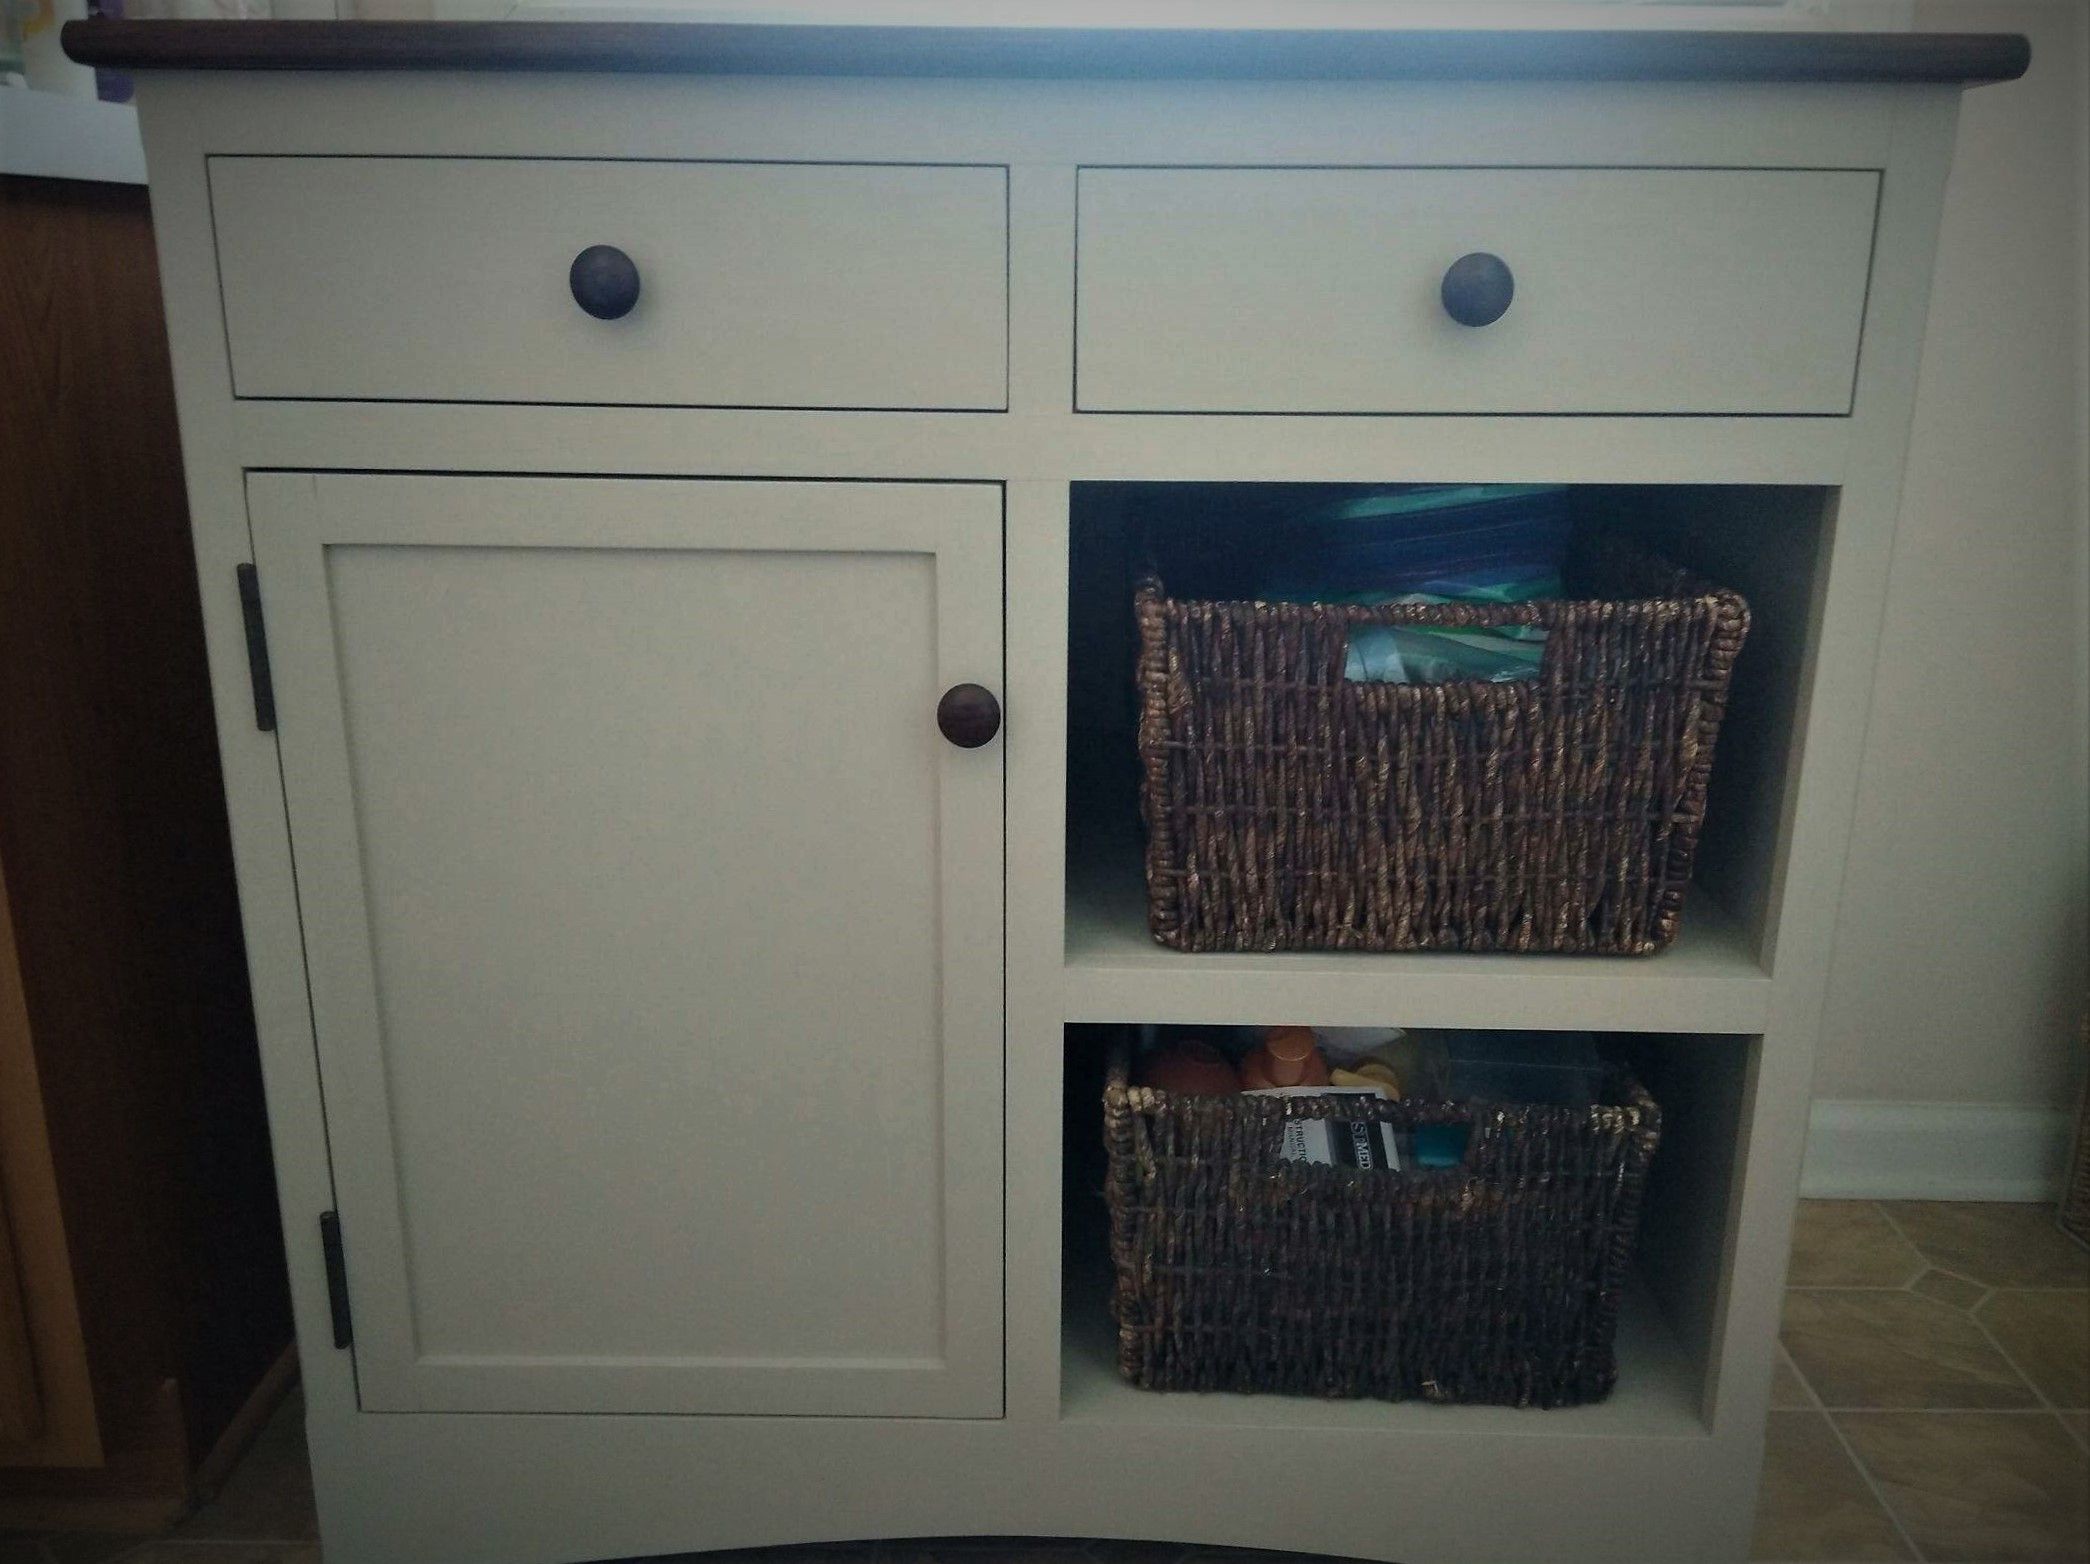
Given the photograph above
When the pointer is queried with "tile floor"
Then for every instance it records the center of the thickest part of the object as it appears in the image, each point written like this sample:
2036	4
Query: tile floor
1931	1399
1932	1402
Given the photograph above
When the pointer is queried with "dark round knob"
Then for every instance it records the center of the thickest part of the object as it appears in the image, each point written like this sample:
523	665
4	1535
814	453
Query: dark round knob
1477	289
969	715
605	283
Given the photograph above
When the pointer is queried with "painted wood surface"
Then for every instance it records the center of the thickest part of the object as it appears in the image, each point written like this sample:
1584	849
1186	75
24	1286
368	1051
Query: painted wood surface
1738	1017
653	933
1236	290
761	285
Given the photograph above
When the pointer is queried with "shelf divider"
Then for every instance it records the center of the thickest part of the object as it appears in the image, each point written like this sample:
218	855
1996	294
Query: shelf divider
1709	981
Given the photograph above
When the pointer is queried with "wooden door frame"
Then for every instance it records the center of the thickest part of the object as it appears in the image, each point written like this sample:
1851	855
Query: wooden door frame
57	1386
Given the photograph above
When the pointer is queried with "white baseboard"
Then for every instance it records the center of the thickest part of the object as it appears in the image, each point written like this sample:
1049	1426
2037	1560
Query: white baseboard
1934	1151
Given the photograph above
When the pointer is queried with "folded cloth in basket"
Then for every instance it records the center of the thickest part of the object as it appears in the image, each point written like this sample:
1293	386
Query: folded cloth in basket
1485	543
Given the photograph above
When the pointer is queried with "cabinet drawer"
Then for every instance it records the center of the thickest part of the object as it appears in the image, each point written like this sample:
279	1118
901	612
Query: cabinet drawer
1319	290
760	285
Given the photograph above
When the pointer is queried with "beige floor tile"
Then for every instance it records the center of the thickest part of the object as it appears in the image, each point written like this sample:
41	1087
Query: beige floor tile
1814	1505
1788	1390
1994	1244
1894	1349
1979	1487
268	1498
2047	1335
2078	1423
1947	1288
1848	1243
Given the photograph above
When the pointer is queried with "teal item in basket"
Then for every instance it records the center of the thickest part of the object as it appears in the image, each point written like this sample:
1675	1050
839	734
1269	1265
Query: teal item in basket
1483	543
1440	1145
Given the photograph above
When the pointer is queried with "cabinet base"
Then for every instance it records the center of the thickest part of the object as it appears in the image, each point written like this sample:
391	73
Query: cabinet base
444	1489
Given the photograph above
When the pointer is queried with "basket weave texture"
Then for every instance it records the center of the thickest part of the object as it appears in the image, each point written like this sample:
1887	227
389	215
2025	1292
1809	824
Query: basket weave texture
2074	1214
1495	1282
1290	809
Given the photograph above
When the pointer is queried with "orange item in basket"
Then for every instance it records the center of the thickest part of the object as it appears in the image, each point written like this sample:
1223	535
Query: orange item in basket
1193	1068
1288	1056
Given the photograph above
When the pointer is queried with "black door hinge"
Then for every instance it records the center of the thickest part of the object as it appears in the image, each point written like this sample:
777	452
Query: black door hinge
257	649
337	1277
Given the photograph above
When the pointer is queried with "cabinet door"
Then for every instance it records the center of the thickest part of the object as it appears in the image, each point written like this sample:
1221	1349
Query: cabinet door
654	934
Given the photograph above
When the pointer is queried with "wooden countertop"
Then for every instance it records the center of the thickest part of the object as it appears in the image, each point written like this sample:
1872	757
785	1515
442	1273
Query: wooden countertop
1051	52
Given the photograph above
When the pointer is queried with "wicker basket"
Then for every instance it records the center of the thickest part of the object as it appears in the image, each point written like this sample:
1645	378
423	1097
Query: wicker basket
1290	809
2074	1213
1494	1282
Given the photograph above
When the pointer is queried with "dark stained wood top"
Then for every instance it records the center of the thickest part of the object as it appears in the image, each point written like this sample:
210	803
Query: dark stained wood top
1049	52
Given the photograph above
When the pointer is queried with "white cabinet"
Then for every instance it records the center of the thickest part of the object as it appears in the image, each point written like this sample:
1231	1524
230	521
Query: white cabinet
690	1040
654	934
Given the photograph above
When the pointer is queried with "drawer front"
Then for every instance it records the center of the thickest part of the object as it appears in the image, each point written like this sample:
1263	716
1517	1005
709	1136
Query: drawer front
1320	290
760	285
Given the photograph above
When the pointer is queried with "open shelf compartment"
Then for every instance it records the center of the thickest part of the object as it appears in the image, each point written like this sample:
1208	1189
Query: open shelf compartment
1666	1333
1764	542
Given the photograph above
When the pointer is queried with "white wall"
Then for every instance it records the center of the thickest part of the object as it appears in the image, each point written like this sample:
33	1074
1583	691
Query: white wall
1959	974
